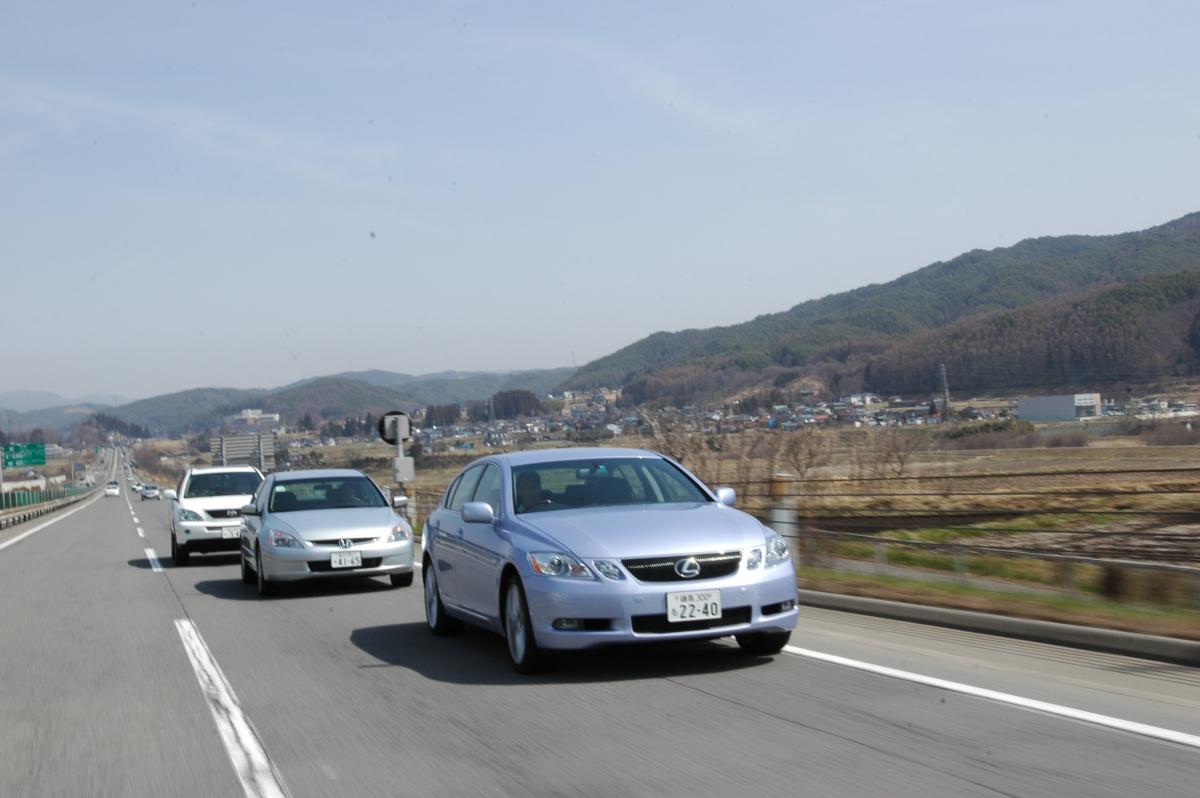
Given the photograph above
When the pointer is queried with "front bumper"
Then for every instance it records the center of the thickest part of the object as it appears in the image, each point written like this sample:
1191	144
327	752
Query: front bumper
313	562
210	535
635	612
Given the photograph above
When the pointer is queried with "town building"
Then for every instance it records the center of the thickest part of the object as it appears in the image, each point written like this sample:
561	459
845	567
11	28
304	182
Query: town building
1063	407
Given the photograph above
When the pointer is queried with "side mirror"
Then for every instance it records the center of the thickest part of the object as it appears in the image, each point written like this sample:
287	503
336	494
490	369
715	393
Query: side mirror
399	500
727	496
478	513
249	509
170	494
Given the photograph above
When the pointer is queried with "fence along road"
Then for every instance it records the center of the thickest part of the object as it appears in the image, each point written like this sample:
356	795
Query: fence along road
345	693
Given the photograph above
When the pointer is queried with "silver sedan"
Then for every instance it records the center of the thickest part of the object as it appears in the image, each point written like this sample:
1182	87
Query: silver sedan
320	524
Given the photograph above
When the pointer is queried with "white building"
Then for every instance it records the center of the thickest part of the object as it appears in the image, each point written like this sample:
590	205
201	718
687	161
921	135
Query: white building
1063	407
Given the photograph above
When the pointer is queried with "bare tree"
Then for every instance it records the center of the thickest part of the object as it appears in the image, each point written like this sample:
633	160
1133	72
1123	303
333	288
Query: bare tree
895	449
805	450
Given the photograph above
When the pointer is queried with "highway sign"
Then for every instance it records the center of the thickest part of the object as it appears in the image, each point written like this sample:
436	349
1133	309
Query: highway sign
18	455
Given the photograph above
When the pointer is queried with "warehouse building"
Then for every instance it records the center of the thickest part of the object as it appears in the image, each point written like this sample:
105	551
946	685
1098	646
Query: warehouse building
1065	407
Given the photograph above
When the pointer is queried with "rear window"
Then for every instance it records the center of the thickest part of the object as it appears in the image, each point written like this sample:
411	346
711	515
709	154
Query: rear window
237	483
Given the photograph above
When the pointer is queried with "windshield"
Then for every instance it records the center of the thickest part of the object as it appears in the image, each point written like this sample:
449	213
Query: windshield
601	483
237	483
328	493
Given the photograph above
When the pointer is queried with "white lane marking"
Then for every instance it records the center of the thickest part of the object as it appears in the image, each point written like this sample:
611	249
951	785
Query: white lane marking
45	524
141	532
135	520
1142	729
250	761
155	565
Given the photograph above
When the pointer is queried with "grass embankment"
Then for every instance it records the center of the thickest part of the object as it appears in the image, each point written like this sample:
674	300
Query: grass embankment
1169	621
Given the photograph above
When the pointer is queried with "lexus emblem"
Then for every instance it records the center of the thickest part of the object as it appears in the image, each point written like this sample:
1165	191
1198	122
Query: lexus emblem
687	568
231	513
345	543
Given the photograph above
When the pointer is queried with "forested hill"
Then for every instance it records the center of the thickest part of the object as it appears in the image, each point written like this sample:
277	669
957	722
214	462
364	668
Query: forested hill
1136	332
849	326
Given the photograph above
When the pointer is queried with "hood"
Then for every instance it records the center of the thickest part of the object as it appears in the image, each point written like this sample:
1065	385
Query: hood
210	503
649	530
352	522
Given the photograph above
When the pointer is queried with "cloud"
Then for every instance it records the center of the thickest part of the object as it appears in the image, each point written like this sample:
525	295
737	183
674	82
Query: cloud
220	133
659	85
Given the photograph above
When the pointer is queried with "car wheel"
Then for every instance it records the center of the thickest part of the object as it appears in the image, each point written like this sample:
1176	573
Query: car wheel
401	580
518	631
763	644
265	588
179	554
247	573
435	612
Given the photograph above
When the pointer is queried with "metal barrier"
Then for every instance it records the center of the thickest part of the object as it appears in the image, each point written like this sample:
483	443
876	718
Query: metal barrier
968	563
19	512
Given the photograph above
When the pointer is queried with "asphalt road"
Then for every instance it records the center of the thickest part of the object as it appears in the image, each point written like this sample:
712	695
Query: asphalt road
348	694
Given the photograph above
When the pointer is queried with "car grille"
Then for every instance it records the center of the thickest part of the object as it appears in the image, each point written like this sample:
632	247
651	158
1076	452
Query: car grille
232	512
662	569
338	541
658	624
322	566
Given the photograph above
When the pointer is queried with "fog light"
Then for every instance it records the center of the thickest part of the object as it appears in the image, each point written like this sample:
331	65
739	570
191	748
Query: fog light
568	624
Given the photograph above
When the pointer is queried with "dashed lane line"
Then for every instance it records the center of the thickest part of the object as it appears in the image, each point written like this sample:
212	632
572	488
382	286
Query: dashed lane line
155	565
253	767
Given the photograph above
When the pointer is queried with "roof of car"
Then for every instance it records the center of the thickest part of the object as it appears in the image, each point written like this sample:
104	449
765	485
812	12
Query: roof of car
223	469
318	473
573	453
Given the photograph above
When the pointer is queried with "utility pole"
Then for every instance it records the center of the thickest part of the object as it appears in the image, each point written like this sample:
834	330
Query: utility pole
945	392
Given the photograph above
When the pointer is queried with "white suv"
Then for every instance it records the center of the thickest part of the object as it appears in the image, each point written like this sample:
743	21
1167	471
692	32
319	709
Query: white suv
206	510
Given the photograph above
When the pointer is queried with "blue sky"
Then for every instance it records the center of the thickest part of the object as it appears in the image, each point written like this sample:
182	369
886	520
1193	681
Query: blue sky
246	194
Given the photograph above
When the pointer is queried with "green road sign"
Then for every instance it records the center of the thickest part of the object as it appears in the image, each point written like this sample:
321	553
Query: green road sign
18	455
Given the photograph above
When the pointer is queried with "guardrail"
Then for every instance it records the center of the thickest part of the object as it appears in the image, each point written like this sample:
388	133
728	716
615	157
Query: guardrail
1042	571
15	513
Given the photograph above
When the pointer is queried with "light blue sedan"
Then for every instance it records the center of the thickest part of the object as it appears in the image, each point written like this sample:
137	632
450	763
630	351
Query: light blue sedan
575	548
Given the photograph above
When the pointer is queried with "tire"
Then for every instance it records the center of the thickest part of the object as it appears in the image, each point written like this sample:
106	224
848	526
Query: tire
247	573
518	630
179	554
265	588
763	644
401	580
439	622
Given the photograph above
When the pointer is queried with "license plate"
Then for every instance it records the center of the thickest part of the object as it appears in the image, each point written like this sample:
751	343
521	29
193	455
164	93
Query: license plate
229	532
346	559
694	605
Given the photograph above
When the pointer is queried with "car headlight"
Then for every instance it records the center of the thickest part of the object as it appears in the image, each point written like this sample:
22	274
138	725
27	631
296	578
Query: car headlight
777	550
189	515
400	532
283	540
555	563
609	569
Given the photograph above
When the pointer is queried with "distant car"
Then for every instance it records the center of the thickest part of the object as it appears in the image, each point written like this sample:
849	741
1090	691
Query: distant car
150	492
576	548
320	524
206	509
112	489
